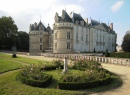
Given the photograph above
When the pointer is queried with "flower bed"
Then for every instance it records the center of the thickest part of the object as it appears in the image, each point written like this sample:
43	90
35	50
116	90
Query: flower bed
78	84
33	76
93	75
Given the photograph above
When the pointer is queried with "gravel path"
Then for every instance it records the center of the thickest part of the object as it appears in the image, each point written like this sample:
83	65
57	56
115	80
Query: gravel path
122	71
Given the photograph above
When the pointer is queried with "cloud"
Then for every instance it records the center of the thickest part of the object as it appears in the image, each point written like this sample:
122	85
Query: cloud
26	12
117	6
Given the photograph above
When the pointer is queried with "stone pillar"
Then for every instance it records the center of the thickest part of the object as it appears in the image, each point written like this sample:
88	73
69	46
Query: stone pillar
65	65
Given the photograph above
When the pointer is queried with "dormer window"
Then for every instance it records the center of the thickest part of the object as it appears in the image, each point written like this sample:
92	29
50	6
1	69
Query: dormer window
77	22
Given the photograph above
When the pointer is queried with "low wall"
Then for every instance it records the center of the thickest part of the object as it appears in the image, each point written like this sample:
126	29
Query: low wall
119	61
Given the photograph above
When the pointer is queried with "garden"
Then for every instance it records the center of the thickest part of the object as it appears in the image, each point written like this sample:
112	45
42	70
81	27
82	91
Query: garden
41	77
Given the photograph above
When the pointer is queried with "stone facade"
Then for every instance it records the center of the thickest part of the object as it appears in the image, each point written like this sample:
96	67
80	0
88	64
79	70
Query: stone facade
74	34
40	38
83	36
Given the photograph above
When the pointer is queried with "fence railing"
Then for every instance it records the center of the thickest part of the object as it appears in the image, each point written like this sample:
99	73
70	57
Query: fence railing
119	61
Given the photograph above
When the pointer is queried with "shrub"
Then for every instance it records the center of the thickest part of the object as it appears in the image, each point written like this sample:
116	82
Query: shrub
33	82
83	64
84	85
14	55
34	76
58	63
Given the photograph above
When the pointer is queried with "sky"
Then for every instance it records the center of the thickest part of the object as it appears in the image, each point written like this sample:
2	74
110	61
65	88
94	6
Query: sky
26	12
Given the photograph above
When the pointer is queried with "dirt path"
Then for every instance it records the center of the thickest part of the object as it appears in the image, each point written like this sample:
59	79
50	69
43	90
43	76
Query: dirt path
122	71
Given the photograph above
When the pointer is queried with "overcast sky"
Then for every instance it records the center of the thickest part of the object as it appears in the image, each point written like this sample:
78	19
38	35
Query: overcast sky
26	12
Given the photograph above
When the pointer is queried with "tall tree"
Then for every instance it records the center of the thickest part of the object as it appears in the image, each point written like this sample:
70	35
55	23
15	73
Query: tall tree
8	32
23	41
126	43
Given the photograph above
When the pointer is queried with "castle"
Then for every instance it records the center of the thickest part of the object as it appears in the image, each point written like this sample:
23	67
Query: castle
71	34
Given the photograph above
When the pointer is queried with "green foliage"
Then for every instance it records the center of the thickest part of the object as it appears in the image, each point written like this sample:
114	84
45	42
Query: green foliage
58	63
93	75
126	43
34	82
119	55
22	38
14	55
8	65
33	72
32	75
8	32
83	64
83	85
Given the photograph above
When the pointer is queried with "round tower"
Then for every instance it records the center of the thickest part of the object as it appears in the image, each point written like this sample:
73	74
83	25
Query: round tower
63	37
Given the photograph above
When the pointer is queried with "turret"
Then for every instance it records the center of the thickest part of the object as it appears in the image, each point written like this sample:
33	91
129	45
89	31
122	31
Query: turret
111	26
35	25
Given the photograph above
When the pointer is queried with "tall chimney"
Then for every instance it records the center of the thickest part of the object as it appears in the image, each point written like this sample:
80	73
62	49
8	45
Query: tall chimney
86	20
111	26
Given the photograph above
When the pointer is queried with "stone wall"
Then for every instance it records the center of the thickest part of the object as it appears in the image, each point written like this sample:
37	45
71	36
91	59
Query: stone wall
99	58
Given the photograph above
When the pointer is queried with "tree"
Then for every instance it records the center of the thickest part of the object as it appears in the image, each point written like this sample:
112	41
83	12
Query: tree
22	41
8	32
126	43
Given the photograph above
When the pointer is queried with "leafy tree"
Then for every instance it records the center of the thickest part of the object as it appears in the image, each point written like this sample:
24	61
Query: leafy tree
22	41
126	43
8	32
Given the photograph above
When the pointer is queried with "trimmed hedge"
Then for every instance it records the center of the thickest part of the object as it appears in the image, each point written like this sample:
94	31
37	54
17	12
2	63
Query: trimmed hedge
36	83
84	85
51	67
14	55
118	55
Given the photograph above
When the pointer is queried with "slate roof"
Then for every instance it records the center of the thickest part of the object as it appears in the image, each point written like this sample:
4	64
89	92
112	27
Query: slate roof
76	17
101	26
41	24
65	17
37	28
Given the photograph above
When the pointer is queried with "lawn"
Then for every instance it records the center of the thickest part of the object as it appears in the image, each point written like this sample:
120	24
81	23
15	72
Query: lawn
24	60
7	65
10	86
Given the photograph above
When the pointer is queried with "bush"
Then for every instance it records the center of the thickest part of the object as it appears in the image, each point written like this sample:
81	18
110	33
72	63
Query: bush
84	85
14	55
33	82
118	55
83	64
34	76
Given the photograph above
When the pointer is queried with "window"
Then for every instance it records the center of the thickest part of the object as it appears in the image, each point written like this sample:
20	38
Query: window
68	35
40	47
40	33
55	35
76	36
55	45
68	45
40	39
86	38
82	37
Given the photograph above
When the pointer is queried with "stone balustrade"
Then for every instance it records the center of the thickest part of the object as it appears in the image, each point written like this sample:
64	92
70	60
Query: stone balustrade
111	60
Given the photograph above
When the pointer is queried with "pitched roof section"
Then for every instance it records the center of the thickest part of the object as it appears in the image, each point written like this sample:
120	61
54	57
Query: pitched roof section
65	17
76	17
40	24
37	27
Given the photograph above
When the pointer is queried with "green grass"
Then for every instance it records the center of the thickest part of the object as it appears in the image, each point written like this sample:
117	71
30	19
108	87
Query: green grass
7	65
10	86
24	60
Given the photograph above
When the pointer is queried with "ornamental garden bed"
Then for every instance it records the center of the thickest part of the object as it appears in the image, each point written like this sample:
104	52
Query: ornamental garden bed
81	74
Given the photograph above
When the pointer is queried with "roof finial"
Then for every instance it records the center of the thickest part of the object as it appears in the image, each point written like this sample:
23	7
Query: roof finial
40	18
99	19
108	22
65	8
